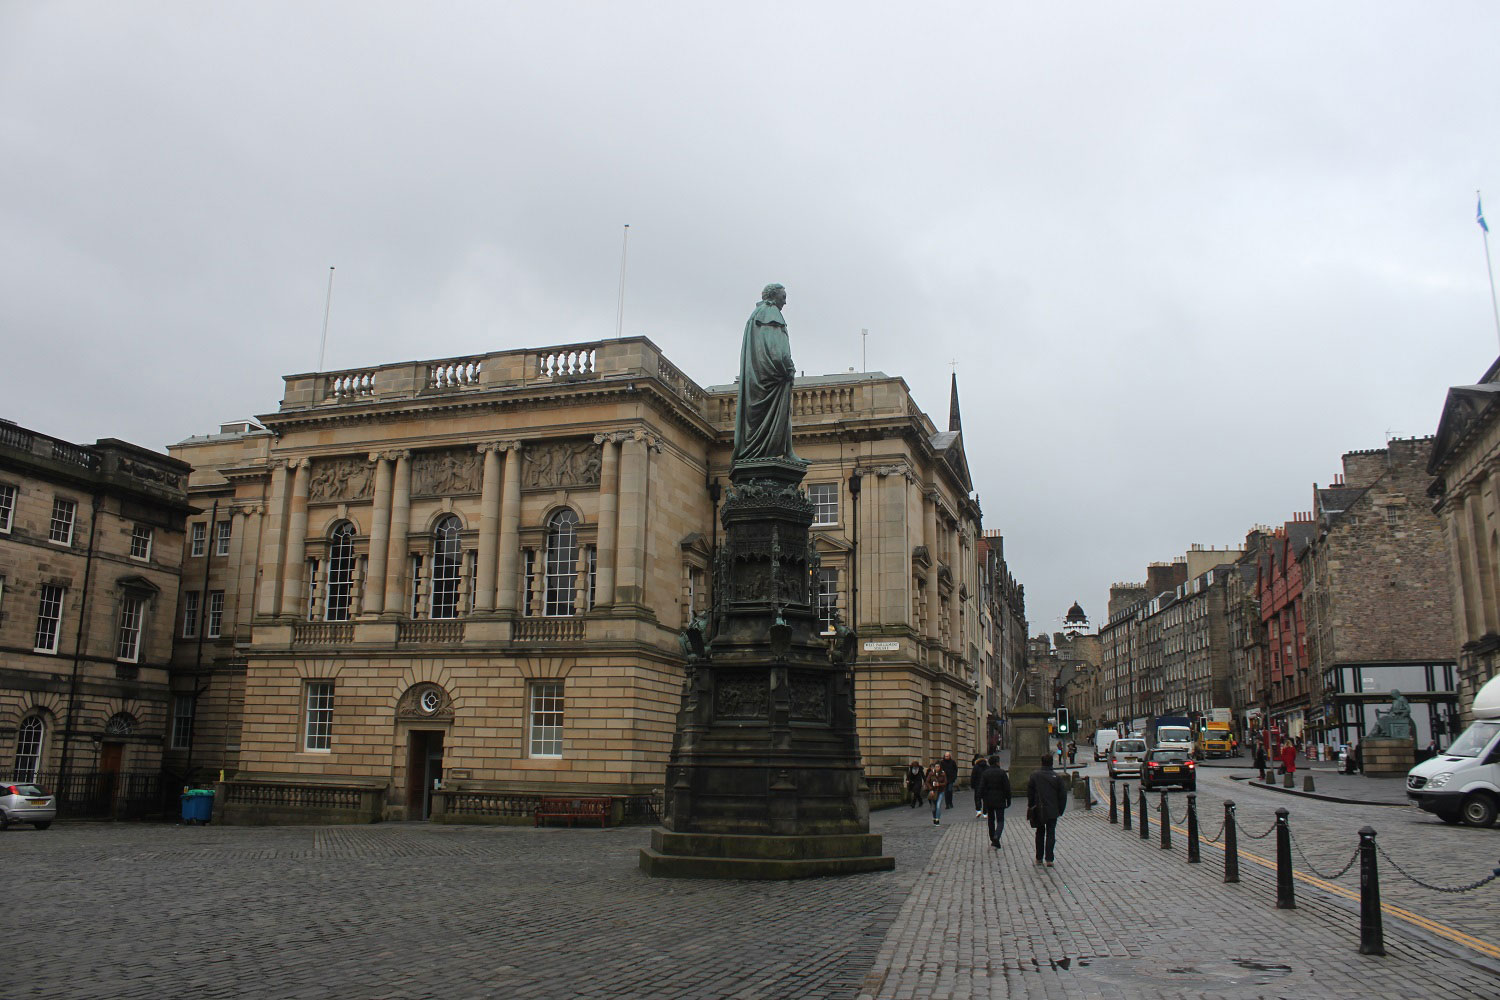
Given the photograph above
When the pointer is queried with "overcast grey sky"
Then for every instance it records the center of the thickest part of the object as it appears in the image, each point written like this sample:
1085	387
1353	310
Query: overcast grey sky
1185	254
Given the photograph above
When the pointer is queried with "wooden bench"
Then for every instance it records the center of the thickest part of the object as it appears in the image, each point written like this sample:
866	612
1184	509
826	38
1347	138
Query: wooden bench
573	808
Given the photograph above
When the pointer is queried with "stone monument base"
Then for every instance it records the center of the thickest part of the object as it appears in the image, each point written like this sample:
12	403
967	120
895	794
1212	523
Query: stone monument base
719	855
1387	757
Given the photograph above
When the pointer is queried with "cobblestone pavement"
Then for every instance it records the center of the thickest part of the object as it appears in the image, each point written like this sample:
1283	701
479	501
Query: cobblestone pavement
412	910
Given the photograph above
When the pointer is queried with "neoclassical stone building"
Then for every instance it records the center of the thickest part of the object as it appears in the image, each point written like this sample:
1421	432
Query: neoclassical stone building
443	583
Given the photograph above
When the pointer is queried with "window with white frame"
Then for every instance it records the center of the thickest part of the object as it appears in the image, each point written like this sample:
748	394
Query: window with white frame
190	604
28	750
447	560
318	734
313	594
7	507
825	501
61	528
128	644
197	539
528	573
416	584
183	706
140	542
215	614
546	718
828	596
561	585
49	618
221	540
340	573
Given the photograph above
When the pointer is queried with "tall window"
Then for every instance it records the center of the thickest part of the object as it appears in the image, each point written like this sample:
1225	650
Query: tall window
825	501
319	732
140	542
182	721
447	560
128	648
49	618
28	750
828	595
313	582
416	584
215	614
198	543
190	605
528	573
221	541
7	506
340	573
546	718
562	564
61	528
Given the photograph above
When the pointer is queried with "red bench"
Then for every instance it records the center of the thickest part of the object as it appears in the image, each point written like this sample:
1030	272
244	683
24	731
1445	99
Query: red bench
573	808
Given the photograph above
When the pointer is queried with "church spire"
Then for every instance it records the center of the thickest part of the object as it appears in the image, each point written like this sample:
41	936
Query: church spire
954	423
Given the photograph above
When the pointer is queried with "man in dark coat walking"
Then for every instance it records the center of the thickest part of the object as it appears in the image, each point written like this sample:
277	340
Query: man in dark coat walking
974	775
1046	800
994	792
950	768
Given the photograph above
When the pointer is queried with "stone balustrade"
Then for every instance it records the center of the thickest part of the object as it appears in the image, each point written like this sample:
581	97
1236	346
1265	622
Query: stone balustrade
548	630
430	633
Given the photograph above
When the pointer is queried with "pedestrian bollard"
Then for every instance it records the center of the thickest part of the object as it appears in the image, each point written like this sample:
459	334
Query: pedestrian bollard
1231	845
1285	898
1371	933
1165	818
1088	793
1114	812
1127	806
1145	817
1307	783
1287	781
1193	857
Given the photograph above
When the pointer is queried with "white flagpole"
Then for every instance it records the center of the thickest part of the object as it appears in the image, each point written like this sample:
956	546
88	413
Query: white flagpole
328	306
1488	268
620	304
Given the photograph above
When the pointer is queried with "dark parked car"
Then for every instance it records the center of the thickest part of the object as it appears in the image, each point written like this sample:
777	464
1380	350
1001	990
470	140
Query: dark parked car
1169	767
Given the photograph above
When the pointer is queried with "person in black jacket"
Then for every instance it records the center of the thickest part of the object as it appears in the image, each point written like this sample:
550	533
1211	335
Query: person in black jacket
974	775
994	792
950	768
1046	800
915	772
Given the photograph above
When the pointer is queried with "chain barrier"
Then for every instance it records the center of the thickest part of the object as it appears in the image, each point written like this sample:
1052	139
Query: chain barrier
1255	836
1215	838
1437	888
1330	878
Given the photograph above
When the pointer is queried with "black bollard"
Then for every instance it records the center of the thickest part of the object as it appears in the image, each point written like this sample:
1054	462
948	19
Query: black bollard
1285	898
1231	845
1193	857
1114	812
1145	817
1127	805
1166	823
1371	933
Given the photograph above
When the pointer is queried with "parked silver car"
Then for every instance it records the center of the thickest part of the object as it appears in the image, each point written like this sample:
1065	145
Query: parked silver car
26	803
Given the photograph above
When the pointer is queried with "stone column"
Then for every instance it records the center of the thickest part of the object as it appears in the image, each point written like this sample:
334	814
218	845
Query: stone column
1484	559
510	530
955	635
489	528
294	567
630	564
1451	515
238	520
930	539
272	539
609	505
395	559
380	536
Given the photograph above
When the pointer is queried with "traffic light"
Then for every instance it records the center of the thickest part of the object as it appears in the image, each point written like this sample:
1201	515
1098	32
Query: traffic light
1062	721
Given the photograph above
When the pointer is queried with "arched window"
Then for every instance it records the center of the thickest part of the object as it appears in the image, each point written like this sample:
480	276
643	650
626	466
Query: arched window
28	750
562	564
447	558
340	572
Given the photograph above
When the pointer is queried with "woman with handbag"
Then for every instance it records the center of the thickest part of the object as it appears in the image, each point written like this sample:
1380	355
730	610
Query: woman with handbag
937	783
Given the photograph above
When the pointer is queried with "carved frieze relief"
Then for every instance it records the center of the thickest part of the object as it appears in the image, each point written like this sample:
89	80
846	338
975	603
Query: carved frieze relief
445	473
344	478
550	465
741	695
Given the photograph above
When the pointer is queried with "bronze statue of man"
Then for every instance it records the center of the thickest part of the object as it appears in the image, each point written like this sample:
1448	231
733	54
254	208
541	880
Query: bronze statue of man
763	422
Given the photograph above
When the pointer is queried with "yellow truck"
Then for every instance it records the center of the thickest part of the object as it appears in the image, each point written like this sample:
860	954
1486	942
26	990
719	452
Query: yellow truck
1214	740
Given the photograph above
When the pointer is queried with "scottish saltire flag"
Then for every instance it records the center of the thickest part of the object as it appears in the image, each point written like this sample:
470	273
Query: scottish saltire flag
1479	213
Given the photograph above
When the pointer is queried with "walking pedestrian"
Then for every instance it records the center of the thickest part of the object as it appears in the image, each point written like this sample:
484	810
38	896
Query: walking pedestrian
1072	753
950	768
974	776
1260	759
994	792
1289	757
937	784
915	776
1046	800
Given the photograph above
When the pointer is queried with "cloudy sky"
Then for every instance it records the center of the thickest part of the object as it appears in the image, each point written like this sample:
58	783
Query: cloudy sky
1184	254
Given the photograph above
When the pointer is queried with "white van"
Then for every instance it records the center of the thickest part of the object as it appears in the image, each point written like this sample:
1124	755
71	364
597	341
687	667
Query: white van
1463	782
1102	739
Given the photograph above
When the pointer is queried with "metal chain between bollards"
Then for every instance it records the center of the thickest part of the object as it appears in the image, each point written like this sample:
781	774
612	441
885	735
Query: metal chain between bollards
1256	836
1437	888
1330	878
1215	838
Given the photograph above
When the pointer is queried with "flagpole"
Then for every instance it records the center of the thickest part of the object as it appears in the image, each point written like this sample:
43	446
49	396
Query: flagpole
620	303
1488	267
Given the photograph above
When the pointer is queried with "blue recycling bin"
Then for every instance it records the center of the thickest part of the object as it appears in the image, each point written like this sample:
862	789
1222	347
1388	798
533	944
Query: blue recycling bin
197	805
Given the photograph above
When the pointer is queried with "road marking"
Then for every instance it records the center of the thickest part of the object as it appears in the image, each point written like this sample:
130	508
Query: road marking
1426	923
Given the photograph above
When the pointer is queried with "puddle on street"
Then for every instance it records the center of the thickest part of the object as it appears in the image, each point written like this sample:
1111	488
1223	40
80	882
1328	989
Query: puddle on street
1204	975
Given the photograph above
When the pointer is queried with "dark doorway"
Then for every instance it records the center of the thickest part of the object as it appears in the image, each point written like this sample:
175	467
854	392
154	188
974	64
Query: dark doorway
424	769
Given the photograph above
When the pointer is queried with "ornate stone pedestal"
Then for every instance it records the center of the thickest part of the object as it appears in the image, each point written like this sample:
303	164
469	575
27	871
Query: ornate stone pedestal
765	780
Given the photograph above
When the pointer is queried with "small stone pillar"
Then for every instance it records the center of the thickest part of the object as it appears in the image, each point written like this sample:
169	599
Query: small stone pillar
1028	742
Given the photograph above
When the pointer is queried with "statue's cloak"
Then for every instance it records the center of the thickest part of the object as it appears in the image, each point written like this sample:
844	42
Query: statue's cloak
763	421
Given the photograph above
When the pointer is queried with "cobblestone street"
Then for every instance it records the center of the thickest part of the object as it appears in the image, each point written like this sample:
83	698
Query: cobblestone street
411	910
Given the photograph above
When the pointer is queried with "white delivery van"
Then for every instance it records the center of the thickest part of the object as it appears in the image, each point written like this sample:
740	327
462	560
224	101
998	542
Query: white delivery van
1102	739
1463	782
